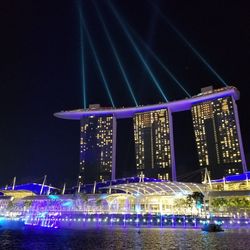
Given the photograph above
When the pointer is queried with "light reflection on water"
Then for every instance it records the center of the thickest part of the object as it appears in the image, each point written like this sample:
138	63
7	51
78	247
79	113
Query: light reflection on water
120	238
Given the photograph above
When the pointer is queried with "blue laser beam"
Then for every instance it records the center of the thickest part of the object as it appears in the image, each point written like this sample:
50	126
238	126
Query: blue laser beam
98	63
82	60
137	51
184	39
167	70
116	54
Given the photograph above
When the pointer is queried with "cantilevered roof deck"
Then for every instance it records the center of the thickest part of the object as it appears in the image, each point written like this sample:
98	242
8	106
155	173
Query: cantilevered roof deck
174	106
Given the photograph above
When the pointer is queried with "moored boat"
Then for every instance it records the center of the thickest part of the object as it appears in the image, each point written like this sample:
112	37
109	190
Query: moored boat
212	228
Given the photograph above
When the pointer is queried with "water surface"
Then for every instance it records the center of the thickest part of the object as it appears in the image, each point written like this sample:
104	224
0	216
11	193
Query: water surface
124	238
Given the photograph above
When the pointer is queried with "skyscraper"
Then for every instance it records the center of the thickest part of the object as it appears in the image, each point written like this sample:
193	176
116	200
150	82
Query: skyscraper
216	127
97	153
217	136
152	144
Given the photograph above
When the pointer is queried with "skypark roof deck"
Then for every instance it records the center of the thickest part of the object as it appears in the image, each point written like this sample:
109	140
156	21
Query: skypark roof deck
175	106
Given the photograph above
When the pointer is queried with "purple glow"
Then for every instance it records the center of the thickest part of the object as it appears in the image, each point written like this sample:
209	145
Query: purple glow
175	106
238	177
79	221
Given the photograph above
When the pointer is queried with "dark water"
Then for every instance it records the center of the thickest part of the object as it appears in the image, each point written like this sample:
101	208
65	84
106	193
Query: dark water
152	238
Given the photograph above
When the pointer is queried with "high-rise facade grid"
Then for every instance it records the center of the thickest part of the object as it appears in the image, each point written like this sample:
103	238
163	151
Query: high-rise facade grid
216	128
152	144
216	136
96	149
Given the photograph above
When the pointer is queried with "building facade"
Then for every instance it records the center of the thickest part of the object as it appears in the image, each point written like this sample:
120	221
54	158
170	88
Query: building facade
152	144
217	137
216	127
97	153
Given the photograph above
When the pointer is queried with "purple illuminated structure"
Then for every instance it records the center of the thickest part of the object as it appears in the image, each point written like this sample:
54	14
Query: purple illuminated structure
175	106
36	188
245	177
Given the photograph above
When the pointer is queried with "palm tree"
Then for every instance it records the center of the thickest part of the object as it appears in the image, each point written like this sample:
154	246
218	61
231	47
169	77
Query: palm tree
198	198
190	200
181	203
218	203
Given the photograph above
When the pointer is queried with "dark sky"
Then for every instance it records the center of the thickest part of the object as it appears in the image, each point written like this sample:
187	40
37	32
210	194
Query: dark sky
40	73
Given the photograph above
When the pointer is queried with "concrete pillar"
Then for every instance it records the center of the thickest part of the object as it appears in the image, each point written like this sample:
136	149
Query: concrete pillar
114	134
171	137
244	165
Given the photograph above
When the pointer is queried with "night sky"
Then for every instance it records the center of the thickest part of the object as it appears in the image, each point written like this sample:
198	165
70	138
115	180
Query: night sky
41	73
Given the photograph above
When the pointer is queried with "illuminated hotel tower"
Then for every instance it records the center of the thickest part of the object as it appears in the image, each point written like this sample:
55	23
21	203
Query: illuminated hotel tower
218	137
216	127
97	150
152	144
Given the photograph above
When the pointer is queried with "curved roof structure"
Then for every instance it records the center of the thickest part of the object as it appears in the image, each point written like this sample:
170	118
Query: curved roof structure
160	188
174	106
18	194
33	187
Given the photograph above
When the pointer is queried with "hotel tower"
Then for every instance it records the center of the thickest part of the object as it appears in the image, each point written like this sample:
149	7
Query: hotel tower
217	136
216	128
97	150
152	144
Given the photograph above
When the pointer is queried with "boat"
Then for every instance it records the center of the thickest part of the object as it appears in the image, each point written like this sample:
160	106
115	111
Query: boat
212	228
